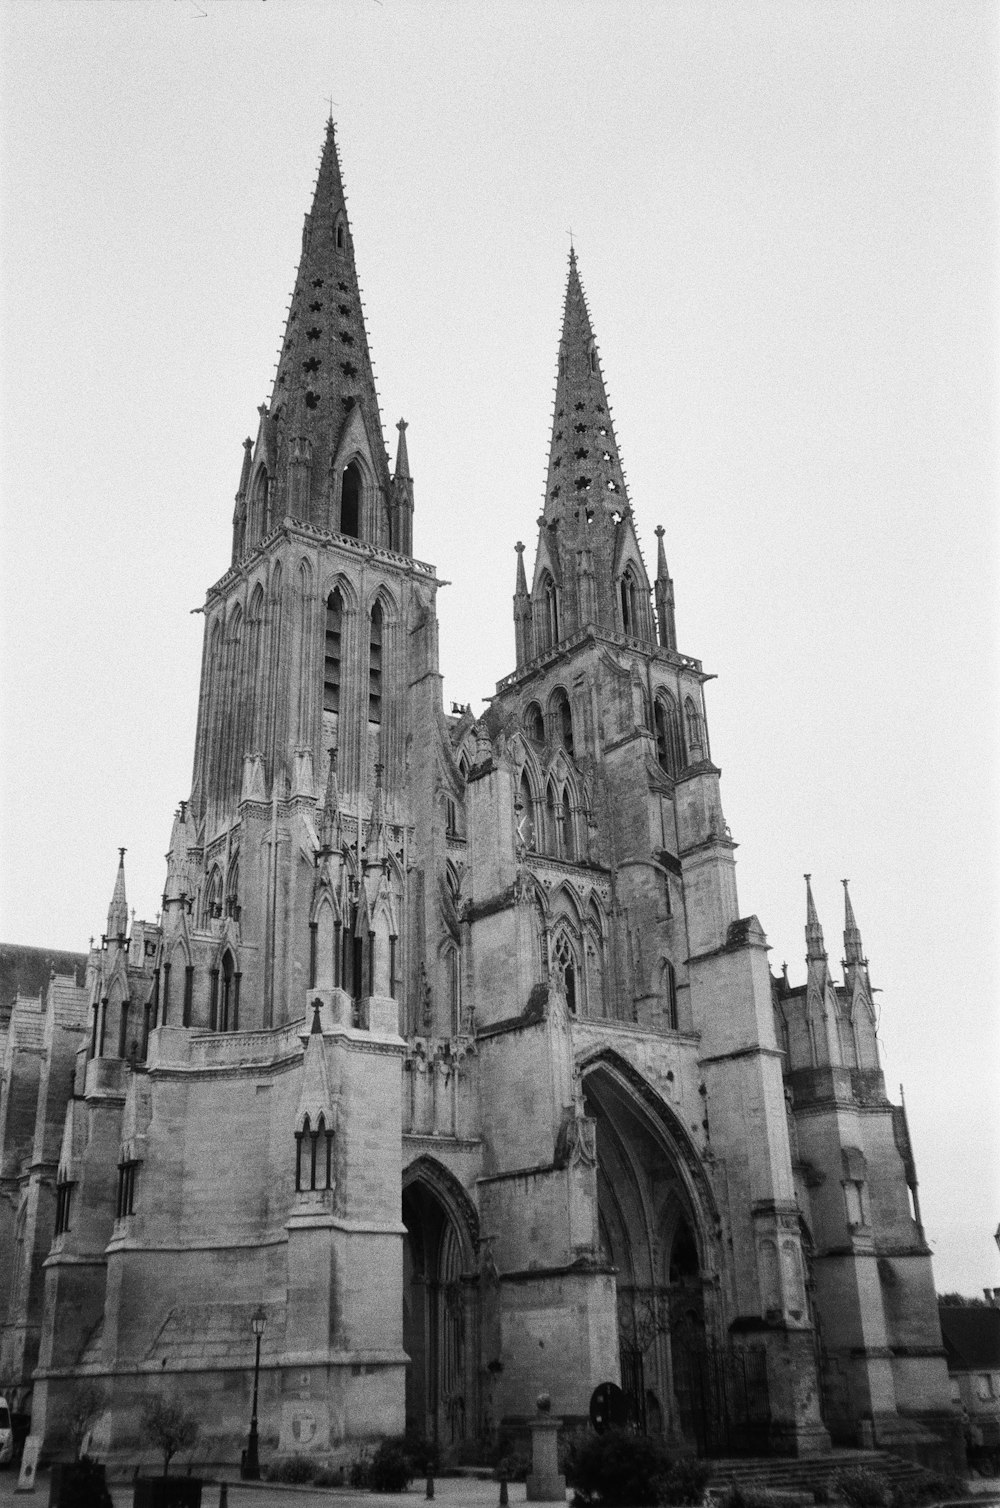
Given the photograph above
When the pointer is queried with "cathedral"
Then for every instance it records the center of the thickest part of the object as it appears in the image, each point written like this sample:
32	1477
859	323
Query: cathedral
450	1067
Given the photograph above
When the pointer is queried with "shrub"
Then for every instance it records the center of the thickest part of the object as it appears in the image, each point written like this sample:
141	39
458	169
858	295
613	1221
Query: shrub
424	1455
620	1470
390	1469
686	1481
292	1469
329	1476
84	1485
748	1497
357	1476
80	1409
862	1487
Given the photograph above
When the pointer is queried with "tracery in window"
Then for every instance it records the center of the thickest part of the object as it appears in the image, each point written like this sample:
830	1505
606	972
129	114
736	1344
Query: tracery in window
565	965
668	734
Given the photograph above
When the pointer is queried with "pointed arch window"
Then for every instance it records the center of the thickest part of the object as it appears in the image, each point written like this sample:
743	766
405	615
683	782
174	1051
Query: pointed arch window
534	727
350	501
669	750
695	734
213	896
630	603
64	1200
549	626
562	717
314	1155
332	651
525	817
375	666
668	992
229	1004
233	891
564	959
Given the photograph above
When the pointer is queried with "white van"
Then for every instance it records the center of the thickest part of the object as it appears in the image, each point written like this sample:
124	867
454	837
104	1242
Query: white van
6	1435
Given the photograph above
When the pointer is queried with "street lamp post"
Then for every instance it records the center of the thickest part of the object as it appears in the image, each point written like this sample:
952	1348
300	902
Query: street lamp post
251	1460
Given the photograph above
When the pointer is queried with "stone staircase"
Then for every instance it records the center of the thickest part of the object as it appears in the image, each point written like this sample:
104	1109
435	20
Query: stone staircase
796	1478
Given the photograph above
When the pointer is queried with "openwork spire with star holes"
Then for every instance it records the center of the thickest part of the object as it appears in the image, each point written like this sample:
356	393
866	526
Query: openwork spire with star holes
324	369
589	569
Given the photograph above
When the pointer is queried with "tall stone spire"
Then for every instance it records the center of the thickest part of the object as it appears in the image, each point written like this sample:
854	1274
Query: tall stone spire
584	468
815	946
324	369
118	910
587	544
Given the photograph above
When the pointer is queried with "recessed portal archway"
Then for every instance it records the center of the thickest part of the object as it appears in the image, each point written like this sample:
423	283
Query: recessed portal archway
439	1305
653	1221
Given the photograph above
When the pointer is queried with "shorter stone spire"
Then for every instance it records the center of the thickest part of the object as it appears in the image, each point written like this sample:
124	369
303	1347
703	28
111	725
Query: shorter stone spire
329	827
853	951
815	947
664	592
118	910
523	646
402	459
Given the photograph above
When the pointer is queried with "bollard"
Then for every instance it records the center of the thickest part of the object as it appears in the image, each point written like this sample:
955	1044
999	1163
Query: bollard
223	1495
430	1482
504	1500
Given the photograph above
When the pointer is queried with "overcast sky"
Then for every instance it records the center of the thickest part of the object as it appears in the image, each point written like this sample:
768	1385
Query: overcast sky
785	217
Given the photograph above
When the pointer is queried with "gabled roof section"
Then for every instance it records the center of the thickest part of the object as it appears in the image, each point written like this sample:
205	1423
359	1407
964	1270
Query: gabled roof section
324	369
583	457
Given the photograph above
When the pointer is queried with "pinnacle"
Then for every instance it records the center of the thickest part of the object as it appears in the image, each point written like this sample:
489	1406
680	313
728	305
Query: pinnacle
853	950
815	947
118	909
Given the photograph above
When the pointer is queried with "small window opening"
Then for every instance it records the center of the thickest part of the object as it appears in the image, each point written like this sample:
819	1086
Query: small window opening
314	333
569	847
346	338
582	484
593	361
564	723
64	1199
127	1171
312	399
344	309
348	368
331	660
315	308
579	407
340	238
350	502
317	282
312	365
582	454
580	429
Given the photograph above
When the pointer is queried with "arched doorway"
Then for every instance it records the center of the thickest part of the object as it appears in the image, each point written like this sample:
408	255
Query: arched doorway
652	1225
439	1306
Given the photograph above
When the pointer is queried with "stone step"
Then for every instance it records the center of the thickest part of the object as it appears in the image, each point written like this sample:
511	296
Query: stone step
788	1473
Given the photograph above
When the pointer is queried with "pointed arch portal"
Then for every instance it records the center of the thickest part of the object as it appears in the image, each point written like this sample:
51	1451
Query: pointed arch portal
439	1305
653	1221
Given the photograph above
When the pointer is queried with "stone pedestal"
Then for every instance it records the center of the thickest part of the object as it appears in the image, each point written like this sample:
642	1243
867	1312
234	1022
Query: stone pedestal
545	1485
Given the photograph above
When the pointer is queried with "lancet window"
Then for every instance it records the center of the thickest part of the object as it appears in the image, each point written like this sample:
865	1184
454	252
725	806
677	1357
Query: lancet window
525	816
630	600
213	895
549	624
566	968
534	727
350	501
668	992
64	1201
669	749
332	651
375	666
228	1002
695	735
562	718
128	1170
314	1155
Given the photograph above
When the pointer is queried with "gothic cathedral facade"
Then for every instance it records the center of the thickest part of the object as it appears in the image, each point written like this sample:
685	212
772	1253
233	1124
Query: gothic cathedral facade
450	1058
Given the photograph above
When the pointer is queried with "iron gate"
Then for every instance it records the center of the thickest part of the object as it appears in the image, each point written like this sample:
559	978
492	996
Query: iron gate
722	1397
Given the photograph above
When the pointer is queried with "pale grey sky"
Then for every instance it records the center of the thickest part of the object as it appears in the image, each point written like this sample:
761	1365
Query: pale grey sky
785	216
